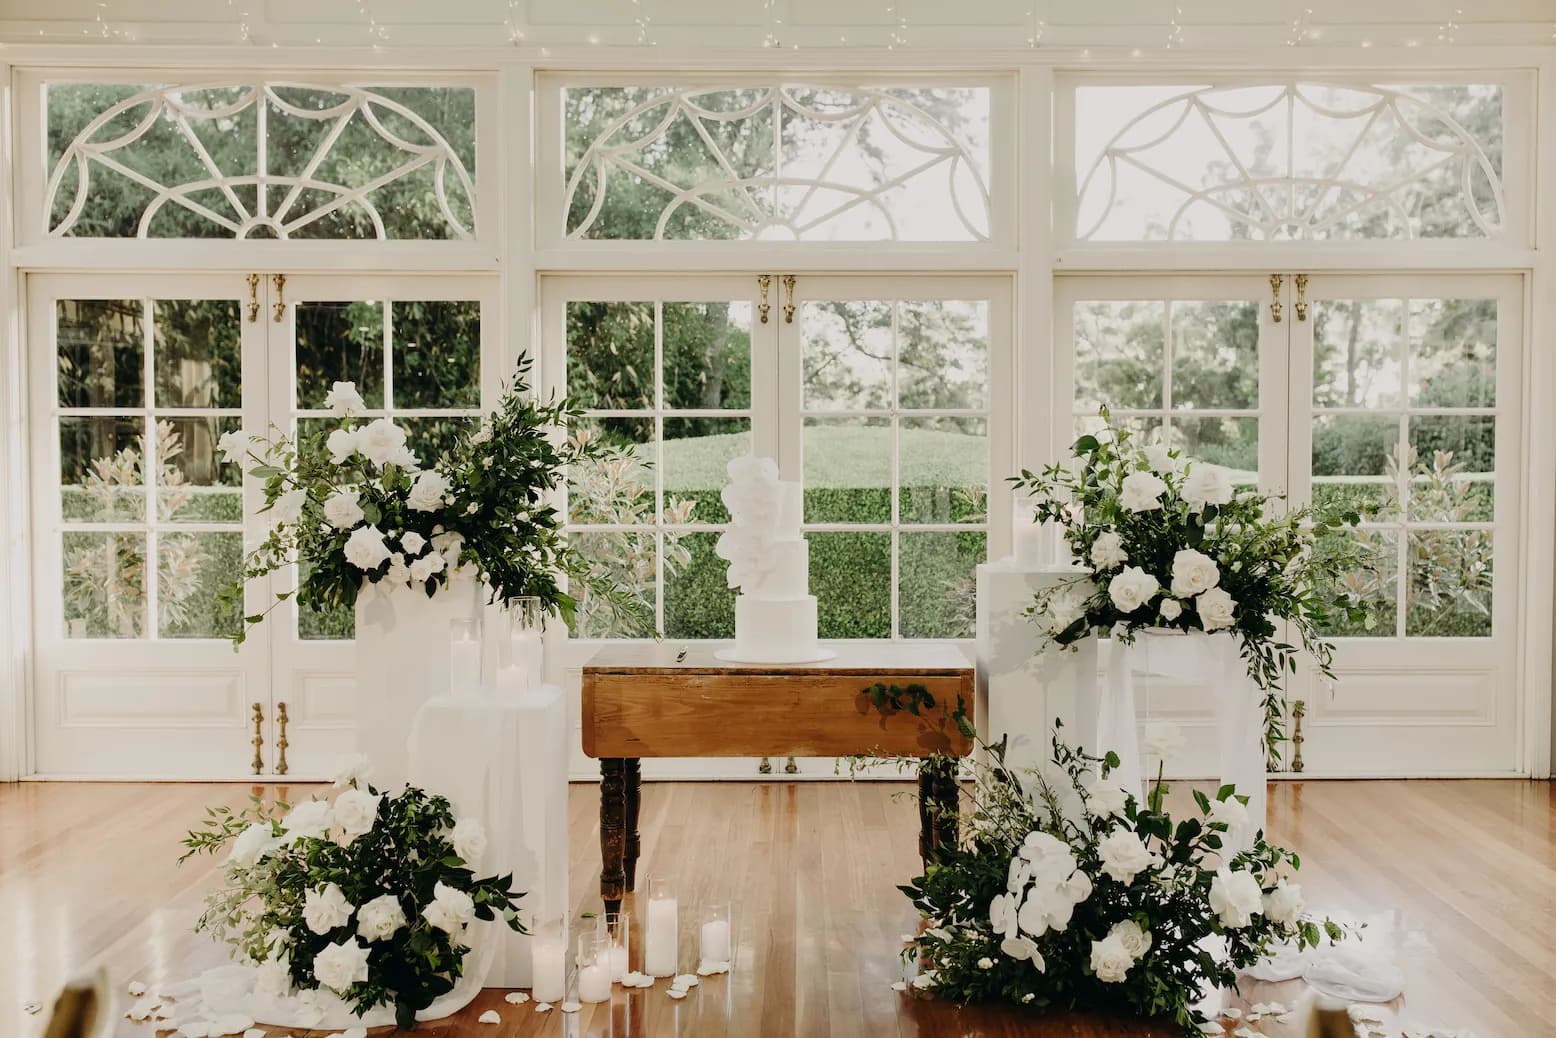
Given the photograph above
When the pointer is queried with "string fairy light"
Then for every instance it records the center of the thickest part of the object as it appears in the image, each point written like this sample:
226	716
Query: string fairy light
376	34
104	28
1175	28
770	23
245	31
641	19
1037	28
898	34
1448	32
1298	30
511	23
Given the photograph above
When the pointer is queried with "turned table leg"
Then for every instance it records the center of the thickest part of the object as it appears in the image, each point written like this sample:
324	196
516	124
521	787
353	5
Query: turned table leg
633	781
613	831
937	806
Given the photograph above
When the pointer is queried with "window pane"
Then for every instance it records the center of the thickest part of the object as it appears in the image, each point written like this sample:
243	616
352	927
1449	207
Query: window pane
627	558
101	358
1356	352
943	354
339	162
1446	452
191	569
193	483
104	585
1378	502
610	354
1119	351
1374	585
1215	354
697	453
1230	442
332	623
850	575
198	357
945	470
437	353
1354	445
620	490
340	342
777	162
1450	584
1453	352
848	355
699	603
101	477
429	438
1146	429
936	591
707	355
1211	163
847	470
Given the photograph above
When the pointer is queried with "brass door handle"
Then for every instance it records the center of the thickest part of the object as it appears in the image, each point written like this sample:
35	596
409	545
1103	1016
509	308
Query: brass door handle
253	298
1276	280
788	299
278	308
764	308
1301	280
259	739
281	743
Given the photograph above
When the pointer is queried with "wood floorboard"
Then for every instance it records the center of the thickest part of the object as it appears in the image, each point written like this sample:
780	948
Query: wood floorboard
87	877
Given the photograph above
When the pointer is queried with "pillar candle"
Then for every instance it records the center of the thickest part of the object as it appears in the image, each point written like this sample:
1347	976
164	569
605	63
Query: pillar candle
660	948
1026	534
526	657
715	941
464	668
594	982
618	962
548	967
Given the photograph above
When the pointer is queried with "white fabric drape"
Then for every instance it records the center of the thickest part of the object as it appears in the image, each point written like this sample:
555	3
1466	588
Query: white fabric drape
1209	660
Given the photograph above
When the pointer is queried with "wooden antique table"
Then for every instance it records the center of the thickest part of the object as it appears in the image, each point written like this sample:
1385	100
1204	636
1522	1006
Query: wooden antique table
663	700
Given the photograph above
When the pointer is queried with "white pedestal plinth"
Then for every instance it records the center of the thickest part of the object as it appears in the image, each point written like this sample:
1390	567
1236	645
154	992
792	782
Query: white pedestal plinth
403	658
1014	698
504	760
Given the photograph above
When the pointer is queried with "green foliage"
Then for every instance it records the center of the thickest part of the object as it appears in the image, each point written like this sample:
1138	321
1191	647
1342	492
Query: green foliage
916	699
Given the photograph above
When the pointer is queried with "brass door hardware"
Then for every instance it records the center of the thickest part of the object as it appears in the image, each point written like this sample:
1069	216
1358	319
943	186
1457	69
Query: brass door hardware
1298	712
253	298
1276	280
788	299
1301	281
281	743
765	768
278	308
259	739
764	282
791	768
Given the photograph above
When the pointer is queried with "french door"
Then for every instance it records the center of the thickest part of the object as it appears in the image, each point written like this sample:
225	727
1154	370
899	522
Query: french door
889	398
138	521
1396	396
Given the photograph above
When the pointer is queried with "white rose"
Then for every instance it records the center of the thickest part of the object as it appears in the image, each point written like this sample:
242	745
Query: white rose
344	400
355	812
1235	897
405	458
1131	588
1193	572
341	965
469	840
325	909
288	508
1136	941
1123	855
1163	458
1283	905
1207	485
378	919
423	568
450	909
1110	960
354	771
234	446
412	542
342	509
1215	609
253	844
1108	801
1108	551
365	548
1231	812
398	573
1141	492
342	444
380	441
1171	609
1020	948
1161	738
985	963
483	434
427	493
308	820
274	977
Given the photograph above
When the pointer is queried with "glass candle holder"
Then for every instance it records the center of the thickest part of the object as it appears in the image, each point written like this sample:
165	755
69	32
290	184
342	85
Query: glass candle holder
594	978
1026	534
464	657
716	937
548	960
661	934
522	661
615	934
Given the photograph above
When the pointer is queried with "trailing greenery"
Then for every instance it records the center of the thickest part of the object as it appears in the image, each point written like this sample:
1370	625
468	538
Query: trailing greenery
916	699
368	899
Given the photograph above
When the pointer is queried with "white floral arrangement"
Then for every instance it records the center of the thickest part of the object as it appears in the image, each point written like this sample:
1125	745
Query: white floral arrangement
1170	543
753	496
368	899
1071	894
358	506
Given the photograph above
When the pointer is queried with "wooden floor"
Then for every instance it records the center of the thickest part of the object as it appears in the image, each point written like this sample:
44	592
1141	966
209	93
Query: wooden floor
87	876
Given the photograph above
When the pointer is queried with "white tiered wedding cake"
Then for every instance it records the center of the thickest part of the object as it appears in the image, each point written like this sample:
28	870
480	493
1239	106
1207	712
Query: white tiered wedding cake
769	561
